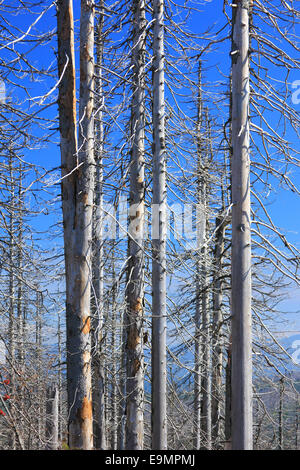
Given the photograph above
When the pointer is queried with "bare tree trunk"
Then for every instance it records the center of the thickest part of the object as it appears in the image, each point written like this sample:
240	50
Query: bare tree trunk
39	372
113	359
77	202
280	415
297	423
159	311
20	327
228	399
12	289
59	389
52	417
241	235
217	347
122	389
206	327
200	215
135	289
98	357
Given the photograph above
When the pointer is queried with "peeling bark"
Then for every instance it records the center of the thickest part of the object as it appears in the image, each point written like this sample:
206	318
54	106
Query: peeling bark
77	204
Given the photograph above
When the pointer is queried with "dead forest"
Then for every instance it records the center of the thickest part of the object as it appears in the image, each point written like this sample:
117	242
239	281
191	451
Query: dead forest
149	229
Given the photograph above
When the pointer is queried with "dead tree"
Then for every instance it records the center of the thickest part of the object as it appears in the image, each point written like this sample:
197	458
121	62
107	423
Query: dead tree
241	234
159	321
77	203
52	417
135	289
98	262
217	347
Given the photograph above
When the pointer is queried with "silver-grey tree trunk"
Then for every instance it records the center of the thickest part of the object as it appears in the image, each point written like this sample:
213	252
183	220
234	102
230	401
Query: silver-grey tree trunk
206	327
52	417
77	203
159	321
197	318
98	262
241	235
217	347
122	387
135	289
113	359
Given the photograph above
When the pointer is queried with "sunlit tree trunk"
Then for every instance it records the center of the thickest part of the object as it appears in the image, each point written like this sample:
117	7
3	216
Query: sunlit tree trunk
280	414
77	202
241	235
197	319
205	310
159	311
113	359
52	417
12	287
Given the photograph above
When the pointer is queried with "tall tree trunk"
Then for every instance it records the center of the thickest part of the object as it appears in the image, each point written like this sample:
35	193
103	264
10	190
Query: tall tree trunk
217	347
297	423
20	299
113	359
280	414
197	319
98	281
77	202
122	388
12	288
52	417
206	327
241	235
159	320
39	372
228	399
60	378
135	289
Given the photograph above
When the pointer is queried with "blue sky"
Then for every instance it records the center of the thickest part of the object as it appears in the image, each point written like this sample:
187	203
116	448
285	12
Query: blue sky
284	206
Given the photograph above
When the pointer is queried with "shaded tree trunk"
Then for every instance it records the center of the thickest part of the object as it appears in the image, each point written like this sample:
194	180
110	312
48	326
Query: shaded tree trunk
217	347
135	289
98	280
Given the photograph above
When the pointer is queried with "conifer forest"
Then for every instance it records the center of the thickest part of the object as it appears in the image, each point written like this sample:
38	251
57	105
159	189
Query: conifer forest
149	225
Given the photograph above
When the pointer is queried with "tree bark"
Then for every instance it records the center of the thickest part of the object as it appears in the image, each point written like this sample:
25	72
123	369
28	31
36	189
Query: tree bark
241	235
280	414
98	279
217	346
206	327
52	417
159	321
135	289
197	318
77	203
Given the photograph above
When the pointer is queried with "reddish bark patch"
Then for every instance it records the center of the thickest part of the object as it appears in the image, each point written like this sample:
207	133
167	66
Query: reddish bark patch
86	325
85	198
136	366
133	339
137	306
86	411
